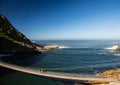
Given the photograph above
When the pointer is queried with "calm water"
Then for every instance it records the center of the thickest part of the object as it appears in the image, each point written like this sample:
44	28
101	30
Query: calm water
74	56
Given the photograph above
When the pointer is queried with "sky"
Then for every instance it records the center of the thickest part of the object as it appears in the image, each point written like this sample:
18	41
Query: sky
64	19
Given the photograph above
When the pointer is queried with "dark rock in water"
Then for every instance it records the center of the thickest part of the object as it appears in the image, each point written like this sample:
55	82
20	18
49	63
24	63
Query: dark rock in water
13	41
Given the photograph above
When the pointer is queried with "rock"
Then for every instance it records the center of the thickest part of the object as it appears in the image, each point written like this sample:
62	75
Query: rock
100	84
50	47
7	46
114	83
117	49
111	74
91	84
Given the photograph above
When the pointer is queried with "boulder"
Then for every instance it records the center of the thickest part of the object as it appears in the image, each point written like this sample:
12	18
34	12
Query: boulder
117	49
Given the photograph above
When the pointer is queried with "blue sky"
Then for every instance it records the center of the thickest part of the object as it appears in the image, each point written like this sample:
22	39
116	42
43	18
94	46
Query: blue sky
64	19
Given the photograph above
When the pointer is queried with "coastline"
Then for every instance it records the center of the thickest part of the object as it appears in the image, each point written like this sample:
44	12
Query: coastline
114	73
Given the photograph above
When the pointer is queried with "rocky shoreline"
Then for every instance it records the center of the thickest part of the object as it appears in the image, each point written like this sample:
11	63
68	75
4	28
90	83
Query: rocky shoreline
117	49
13	41
114	73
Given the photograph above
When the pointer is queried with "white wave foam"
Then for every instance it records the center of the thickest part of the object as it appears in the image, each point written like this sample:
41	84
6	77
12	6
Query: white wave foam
102	53
117	54
62	47
112	48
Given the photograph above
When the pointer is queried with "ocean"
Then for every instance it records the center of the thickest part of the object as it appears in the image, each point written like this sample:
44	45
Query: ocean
73	56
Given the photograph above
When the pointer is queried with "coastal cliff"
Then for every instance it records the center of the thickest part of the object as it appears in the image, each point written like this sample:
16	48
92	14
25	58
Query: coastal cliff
13	41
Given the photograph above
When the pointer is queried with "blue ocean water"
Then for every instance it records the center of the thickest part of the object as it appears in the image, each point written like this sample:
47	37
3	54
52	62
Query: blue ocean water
73	56
80	56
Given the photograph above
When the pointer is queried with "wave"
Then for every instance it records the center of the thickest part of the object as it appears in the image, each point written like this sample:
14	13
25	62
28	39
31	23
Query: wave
59	46
102	53
117	54
112	48
78	48
68	47
62	47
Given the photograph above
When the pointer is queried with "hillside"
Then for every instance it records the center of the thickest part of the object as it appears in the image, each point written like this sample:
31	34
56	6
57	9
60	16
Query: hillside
13	41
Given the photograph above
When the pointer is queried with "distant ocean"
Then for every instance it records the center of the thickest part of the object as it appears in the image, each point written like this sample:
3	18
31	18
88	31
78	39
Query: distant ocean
73	56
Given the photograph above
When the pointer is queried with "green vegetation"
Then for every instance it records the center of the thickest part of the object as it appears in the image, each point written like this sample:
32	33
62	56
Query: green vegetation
2	35
8	32
13	41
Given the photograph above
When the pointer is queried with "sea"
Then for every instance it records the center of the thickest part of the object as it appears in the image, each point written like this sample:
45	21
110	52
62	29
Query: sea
73	56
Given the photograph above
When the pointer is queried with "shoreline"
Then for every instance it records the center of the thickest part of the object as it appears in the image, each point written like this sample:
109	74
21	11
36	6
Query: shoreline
114	73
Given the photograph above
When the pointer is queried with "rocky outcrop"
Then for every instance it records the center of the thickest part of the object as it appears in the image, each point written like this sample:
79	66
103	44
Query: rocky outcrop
7	46
50	47
13	41
117	49
115	73
9	32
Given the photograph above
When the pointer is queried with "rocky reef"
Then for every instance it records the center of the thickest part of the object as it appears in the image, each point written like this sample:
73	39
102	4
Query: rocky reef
117	49
114	73
13	41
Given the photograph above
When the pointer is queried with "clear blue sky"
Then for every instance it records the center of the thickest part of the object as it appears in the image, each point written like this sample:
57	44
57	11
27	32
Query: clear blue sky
64	19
